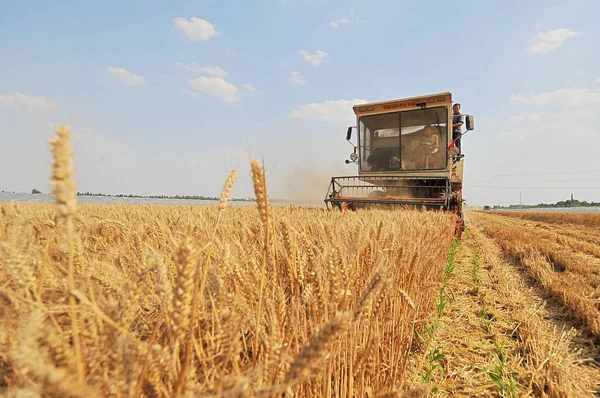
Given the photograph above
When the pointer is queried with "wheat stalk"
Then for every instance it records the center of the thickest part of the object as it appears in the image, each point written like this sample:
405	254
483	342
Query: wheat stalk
65	192
260	190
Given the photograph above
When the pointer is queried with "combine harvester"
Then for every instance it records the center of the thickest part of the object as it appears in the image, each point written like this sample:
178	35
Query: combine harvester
406	158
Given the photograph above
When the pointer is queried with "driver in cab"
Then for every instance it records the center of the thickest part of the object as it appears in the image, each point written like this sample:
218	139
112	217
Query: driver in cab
428	145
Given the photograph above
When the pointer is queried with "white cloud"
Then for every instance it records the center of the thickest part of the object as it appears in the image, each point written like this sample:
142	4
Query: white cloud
252	89
313	59
28	102
126	77
598	81
195	28
328	111
212	70
215	87
339	22
354	19
544	42
192	93
297	78
569	97
558	113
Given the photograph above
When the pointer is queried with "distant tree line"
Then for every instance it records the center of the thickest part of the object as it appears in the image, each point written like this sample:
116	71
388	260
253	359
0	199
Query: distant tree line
196	197
563	203
35	191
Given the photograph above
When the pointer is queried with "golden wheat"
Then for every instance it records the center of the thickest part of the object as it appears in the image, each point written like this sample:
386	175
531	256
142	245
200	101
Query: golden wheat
265	301
211	301
134	303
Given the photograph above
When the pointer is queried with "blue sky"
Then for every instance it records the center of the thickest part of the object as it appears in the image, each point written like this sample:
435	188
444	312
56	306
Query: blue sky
168	97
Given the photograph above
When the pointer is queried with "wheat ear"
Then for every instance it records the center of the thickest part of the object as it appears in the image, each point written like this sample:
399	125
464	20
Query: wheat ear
227	189
318	344
63	172
182	292
368	294
65	192
260	190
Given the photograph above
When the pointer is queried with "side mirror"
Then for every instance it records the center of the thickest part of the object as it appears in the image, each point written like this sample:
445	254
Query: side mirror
349	133
470	122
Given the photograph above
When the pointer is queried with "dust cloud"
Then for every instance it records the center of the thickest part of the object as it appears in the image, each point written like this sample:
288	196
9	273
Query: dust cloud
307	185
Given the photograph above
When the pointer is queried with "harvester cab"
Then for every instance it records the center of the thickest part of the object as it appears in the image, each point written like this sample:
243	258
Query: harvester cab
405	156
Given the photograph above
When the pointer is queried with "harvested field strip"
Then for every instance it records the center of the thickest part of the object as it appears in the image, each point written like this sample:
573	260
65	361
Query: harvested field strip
575	291
577	244
566	254
430	359
554	358
580	242
564	230
497	335
472	357
589	219
580	232
578	238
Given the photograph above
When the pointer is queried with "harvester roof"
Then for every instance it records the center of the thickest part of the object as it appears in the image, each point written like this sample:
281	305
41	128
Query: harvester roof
403	104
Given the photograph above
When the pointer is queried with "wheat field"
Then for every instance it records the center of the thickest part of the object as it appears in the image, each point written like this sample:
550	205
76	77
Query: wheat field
128	301
273	301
